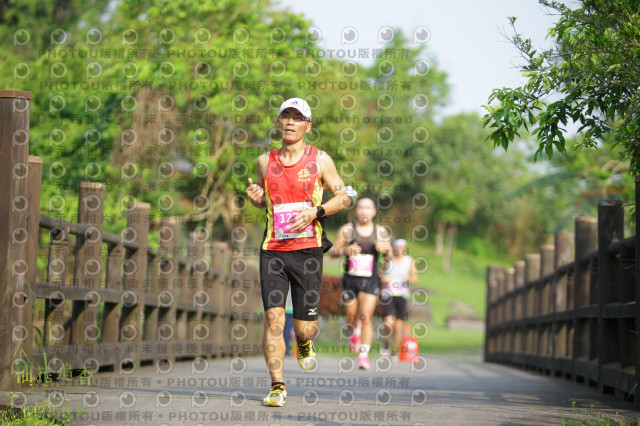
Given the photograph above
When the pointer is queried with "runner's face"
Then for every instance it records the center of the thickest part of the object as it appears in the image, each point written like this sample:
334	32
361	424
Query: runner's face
399	250
293	125
365	210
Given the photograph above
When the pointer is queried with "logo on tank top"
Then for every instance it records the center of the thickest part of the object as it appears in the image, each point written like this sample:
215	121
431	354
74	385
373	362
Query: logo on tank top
303	175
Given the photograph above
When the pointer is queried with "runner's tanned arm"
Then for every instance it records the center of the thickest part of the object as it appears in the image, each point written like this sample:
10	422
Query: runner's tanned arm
255	191
333	182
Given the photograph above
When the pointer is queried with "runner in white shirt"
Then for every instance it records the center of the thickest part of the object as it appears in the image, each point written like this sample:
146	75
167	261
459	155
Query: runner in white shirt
399	272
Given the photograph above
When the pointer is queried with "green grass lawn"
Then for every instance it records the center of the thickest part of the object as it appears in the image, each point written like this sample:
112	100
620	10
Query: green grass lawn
465	282
442	340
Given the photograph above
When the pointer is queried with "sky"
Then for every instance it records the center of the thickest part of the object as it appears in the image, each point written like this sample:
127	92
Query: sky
464	36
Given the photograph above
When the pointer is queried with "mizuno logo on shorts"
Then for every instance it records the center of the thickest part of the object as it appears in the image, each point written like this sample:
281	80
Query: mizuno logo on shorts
313	311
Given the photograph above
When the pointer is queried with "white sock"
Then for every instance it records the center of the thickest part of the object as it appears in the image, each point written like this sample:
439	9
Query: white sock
356	331
364	349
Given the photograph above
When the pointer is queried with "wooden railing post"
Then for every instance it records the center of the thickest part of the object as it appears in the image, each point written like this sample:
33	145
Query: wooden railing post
197	331
220	295
586	241
499	310
584	326
510	310
254	304
627	327
88	268
519	305
151	310
489	332
544	305
547	255
135	273
57	311
238	330
532	273
208	318
610	229
168	284
564	254
210	344
14	148
34	185
627	295
184	302
111	313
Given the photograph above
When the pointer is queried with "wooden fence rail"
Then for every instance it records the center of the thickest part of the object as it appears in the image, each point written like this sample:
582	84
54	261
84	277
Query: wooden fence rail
108	301
573	310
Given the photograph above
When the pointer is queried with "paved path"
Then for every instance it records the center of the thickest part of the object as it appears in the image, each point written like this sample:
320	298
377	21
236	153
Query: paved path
443	390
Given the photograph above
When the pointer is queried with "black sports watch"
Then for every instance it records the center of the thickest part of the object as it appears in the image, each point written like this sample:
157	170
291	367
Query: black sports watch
320	212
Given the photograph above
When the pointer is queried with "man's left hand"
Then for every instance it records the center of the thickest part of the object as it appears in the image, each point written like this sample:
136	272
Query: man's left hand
303	219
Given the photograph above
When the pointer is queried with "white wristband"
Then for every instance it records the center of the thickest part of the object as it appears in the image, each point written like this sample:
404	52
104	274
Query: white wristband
351	193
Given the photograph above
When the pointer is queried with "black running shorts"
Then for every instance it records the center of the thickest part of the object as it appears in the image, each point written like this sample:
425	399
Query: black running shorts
300	268
351	286
393	305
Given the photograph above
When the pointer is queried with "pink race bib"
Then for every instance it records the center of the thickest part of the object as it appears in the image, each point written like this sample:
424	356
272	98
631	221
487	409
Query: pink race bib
282	214
361	265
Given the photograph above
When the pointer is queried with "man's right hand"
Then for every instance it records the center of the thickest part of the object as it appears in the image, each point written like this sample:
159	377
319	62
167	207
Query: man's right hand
255	193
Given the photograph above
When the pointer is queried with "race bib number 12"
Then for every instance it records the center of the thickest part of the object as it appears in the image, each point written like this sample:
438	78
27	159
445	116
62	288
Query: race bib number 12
282	214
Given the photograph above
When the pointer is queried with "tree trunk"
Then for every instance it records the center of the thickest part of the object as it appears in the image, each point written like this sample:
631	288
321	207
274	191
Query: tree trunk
440	228
452	231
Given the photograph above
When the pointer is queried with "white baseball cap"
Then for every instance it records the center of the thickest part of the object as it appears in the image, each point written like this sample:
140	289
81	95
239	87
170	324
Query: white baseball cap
399	242
297	103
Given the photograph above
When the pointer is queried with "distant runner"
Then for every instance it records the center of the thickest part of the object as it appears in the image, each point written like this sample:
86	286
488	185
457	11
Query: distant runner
399	272
361	242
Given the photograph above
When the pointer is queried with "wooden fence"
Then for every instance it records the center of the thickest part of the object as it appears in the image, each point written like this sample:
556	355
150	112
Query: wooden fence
573	309
108	301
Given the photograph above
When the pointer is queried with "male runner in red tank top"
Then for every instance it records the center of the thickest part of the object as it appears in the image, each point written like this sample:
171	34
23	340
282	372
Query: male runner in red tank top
290	185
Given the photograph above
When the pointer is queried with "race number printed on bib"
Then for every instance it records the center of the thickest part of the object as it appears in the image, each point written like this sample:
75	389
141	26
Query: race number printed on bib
282	214
398	289
361	265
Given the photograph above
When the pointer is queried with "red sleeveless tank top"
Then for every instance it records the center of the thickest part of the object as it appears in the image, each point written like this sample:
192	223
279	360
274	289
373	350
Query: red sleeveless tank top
288	188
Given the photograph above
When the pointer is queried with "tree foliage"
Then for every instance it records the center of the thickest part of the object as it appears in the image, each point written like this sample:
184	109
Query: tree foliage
590	76
171	102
